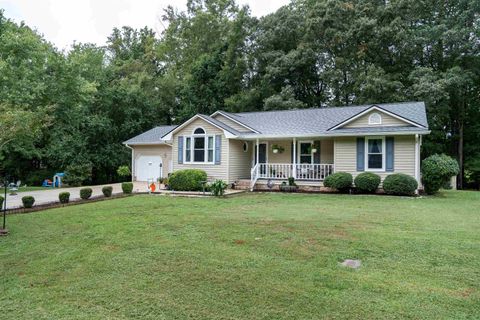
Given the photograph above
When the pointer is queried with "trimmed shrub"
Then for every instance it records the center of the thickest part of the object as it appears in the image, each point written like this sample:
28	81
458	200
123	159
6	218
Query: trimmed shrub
367	182
127	187
218	187
400	184
86	193
291	181
187	180
342	181
107	191
28	201
64	197
1	201
123	171
437	171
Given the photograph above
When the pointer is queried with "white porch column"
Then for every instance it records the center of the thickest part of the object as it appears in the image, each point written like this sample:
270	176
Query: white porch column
257	160
417	160
294	169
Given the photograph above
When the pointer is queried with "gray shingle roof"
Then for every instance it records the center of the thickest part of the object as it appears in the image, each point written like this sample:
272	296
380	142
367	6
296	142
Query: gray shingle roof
151	136
219	124
319	121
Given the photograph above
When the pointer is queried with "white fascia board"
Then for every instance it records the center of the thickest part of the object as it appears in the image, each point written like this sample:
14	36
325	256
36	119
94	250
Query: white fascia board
147	144
169	136
334	134
379	110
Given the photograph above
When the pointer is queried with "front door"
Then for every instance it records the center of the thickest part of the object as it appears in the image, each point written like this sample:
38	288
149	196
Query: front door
262	155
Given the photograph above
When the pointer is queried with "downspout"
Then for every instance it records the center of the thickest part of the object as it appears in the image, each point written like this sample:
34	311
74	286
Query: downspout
417	160
133	157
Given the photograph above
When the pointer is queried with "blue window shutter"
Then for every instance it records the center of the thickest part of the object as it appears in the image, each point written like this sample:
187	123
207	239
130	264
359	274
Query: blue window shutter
218	149
180	149
389	154
316	155
360	154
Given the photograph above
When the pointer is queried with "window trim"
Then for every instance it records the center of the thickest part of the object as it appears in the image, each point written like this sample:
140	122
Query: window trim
384	155
192	138
371	122
299	153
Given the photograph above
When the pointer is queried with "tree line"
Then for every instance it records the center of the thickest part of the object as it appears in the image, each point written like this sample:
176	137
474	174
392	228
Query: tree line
71	110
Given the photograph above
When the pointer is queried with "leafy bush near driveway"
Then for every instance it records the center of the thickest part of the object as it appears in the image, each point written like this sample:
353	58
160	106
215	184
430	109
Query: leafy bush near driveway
86	193
342	181
76	174
127	187
367	182
64	197
107	191
400	184
218	187
187	180
437	170
28	201
1	201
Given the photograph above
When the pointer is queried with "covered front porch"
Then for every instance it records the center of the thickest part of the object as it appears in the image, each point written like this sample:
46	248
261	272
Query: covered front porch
303	159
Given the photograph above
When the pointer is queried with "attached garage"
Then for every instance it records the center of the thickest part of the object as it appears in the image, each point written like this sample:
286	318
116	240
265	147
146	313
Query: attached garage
148	168
151	156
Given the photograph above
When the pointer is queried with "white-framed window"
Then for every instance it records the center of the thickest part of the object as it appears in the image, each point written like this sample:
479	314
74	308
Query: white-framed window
375	153
305	155
375	118
200	147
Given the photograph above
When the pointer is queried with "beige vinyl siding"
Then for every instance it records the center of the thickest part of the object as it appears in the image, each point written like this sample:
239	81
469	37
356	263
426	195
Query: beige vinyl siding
387	121
285	156
165	151
213	171
345	150
239	161
326	151
232	124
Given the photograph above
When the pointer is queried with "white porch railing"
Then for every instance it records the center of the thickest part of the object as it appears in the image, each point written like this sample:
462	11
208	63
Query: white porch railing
311	172
254	176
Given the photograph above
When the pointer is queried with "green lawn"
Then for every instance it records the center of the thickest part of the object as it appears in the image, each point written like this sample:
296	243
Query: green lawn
257	256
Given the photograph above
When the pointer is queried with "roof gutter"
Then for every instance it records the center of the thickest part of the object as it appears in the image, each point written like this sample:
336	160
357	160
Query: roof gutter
346	134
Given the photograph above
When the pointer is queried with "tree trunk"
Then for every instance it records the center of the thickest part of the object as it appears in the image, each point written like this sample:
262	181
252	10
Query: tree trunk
460	155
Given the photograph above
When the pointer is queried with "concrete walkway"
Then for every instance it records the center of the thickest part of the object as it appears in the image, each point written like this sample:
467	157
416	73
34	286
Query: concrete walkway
51	195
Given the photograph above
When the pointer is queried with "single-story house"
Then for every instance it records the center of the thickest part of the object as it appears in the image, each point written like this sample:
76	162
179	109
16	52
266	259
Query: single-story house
307	144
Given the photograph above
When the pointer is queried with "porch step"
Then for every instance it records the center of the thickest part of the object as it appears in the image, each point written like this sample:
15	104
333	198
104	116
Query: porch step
242	184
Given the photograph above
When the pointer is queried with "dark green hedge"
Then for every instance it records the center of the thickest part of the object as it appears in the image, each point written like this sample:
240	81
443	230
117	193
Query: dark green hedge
107	191
367	182
127	187
64	197
400	184
28	201
437	170
342	181
86	193
187	180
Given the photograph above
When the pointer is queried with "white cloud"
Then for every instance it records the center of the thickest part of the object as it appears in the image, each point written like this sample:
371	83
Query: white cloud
65	21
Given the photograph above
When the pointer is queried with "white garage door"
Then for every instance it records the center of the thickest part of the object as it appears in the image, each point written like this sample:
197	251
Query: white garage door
148	167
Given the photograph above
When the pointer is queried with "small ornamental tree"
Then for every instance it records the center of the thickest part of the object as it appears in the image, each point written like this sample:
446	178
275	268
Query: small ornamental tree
437	170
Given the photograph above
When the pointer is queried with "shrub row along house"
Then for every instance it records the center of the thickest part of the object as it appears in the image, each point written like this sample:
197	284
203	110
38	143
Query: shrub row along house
253	148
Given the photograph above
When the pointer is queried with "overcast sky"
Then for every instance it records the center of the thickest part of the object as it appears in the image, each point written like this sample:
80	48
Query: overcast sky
65	21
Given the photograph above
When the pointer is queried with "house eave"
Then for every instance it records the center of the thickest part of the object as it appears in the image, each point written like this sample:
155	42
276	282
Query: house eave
334	134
